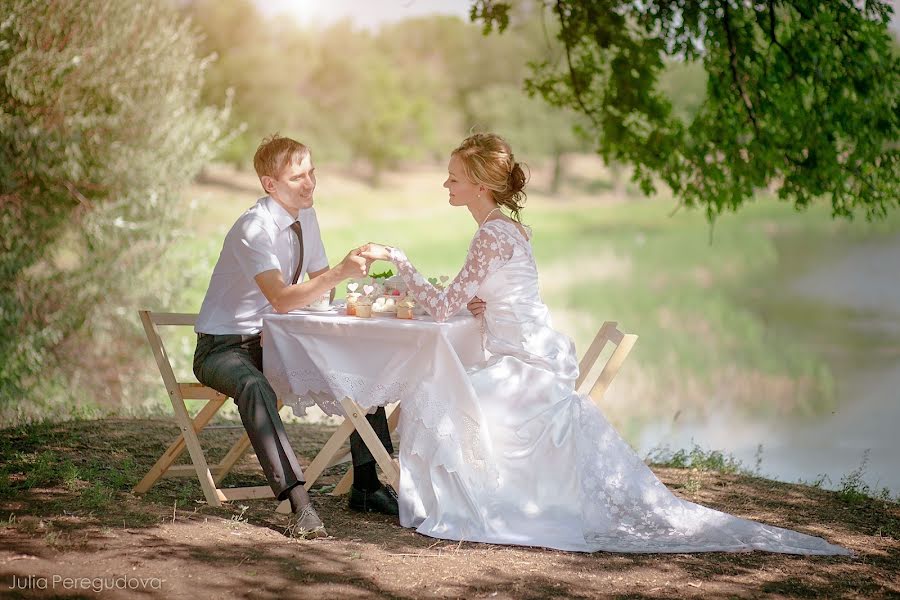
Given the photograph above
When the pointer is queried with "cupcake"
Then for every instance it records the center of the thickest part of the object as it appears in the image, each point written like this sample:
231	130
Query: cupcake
364	307
352	299
385	305
395	286
405	308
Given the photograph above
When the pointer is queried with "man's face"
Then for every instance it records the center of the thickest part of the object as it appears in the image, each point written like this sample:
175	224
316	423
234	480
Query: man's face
294	186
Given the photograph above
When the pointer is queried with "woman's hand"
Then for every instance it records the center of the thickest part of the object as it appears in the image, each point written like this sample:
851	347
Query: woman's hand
372	251
476	306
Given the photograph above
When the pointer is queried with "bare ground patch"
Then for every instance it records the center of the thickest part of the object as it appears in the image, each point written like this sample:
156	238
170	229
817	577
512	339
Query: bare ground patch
60	523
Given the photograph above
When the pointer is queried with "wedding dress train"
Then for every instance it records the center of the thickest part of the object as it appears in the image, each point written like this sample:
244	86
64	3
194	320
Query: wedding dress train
523	459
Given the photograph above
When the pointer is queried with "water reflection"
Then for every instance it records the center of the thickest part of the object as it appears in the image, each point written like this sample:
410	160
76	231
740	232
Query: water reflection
846	308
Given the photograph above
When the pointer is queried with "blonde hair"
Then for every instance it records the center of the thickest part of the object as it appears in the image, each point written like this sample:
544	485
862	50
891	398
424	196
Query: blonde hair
275	153
489	161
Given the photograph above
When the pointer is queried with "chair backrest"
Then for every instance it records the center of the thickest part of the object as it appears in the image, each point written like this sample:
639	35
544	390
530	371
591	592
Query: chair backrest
609	333
177	390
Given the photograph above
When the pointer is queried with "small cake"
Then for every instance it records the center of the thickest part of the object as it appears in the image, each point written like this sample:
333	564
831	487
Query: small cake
394	286
405	308
323	302
364	307
352	299
385	304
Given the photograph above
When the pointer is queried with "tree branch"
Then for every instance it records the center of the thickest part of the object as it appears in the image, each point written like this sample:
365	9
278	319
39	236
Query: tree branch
732	51
774	38
576	88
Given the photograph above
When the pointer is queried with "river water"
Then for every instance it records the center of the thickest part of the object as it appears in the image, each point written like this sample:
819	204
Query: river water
846	309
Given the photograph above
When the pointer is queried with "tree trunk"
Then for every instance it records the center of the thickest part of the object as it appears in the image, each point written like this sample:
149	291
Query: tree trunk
557	173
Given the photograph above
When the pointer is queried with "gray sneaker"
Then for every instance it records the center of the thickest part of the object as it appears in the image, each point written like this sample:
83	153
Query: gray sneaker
305	524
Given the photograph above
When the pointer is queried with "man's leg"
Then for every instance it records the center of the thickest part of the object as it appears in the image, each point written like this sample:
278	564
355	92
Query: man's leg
367	493
360	453
231	364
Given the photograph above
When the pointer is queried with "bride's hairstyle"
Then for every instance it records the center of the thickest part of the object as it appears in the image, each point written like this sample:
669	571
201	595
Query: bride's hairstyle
488	160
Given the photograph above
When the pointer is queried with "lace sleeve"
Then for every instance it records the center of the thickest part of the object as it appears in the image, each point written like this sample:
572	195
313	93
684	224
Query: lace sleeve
488	252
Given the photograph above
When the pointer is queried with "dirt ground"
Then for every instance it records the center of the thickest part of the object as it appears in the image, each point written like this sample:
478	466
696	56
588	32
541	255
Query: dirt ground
70	526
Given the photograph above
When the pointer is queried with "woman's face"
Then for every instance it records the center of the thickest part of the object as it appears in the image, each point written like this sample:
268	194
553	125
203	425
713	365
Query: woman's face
462	191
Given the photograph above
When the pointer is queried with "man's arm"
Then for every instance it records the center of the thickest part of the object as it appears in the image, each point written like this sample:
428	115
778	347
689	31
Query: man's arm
315	274
285	298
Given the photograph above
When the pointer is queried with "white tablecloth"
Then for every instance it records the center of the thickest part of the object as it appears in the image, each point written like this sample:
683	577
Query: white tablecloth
320	358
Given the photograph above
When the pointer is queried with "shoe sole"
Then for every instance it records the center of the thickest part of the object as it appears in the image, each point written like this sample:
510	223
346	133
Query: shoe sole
318	532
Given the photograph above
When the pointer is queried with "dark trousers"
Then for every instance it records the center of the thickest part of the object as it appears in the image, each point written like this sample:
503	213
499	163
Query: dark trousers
232	365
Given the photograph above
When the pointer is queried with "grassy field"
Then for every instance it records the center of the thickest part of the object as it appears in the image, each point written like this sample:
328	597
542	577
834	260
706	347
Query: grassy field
605	253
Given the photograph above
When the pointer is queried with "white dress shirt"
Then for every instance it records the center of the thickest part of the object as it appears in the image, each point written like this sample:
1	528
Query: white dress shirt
260	240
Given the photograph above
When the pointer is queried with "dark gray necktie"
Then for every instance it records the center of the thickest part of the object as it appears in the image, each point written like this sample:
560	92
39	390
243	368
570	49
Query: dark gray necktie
296	227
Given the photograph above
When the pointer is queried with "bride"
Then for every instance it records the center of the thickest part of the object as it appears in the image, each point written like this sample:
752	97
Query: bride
523	459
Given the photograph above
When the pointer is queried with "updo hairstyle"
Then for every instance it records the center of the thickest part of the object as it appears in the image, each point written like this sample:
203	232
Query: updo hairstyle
488	160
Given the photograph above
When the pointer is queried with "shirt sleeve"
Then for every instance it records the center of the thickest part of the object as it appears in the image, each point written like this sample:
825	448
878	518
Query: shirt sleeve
489	251
254	249
318	259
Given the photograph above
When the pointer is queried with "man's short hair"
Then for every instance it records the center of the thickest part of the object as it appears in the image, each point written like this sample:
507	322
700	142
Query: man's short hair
275	153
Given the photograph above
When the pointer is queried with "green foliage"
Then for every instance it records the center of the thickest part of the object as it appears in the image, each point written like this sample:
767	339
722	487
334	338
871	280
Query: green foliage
100	128
382	275
696	458
801	95
410	91
534	128
854	490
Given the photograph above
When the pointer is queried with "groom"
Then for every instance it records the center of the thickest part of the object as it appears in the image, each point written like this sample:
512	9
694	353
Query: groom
260	271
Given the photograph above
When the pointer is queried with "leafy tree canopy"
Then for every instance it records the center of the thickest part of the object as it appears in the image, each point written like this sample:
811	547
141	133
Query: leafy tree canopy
101	127
801	95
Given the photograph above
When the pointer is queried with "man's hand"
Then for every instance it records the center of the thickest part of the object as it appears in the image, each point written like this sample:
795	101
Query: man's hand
476	306
373	251
353	266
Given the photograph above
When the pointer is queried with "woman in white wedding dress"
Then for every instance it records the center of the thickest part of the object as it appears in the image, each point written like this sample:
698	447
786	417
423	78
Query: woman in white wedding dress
523	459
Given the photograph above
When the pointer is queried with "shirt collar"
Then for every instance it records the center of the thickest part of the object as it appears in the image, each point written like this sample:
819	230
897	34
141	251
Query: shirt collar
282	217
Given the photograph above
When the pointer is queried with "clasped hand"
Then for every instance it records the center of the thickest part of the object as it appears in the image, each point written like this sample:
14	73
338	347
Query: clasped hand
357	262
373	251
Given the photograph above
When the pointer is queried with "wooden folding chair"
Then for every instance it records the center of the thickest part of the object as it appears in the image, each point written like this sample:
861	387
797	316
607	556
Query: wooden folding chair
210	477
623	342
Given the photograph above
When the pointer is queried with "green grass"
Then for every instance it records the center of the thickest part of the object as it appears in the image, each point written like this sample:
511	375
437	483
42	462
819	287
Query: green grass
46	455
698	458
697	295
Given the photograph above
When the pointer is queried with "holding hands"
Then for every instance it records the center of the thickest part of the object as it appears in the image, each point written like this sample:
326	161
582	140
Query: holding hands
373	251
354	265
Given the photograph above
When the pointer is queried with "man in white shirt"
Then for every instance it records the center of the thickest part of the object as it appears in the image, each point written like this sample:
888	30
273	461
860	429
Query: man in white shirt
260	271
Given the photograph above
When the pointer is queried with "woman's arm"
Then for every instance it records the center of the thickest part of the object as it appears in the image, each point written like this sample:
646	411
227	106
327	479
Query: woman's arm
489	251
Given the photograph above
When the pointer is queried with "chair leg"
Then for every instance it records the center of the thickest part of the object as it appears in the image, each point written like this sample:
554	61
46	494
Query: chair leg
194	449
177	447
322	460
346	481
231	458
388	465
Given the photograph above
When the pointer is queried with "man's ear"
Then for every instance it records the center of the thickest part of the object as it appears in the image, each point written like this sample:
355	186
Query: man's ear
268	183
